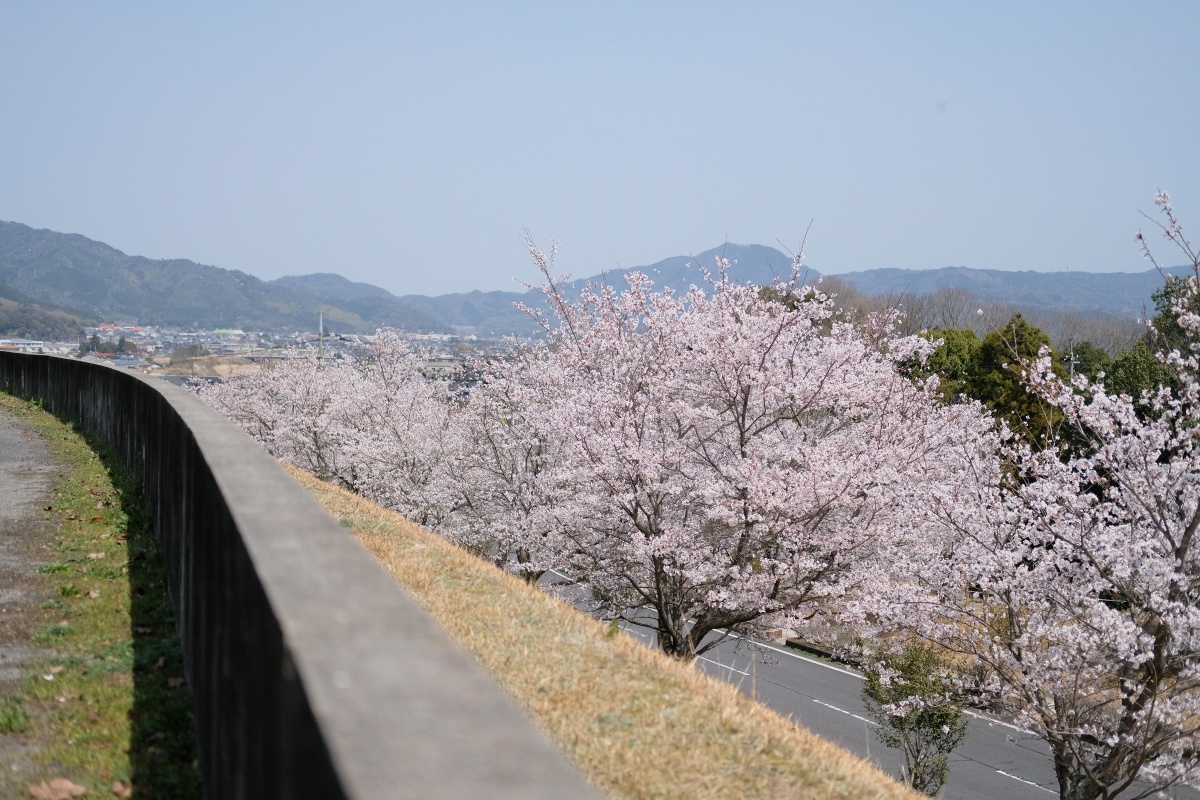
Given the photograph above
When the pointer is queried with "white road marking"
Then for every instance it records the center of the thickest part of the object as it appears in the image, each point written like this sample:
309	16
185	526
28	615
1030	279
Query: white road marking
1022	780
983	717
723	666
844	711
993	720
794	654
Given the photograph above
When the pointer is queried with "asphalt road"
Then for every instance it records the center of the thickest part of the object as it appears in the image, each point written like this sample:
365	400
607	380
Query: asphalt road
995	760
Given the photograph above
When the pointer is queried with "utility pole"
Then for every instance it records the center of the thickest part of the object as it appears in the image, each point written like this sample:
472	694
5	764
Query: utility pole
321	337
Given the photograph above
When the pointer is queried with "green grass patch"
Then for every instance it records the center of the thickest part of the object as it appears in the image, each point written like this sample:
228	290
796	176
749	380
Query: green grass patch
13	718
109	707
49	634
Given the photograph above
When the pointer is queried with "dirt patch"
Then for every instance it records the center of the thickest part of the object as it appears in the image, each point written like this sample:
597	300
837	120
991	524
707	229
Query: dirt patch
221	366
27	475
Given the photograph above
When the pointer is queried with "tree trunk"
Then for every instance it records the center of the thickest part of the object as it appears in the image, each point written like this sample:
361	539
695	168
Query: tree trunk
672	638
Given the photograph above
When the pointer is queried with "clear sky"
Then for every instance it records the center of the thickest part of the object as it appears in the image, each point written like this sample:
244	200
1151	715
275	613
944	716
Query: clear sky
409	144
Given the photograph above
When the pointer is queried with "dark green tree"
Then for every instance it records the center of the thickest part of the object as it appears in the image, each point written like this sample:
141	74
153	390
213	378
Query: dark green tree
1136	371
954	360
1167	335
1089	359
186	351
997	381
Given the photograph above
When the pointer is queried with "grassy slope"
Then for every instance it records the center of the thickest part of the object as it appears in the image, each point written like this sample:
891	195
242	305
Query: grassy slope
638	724
116	716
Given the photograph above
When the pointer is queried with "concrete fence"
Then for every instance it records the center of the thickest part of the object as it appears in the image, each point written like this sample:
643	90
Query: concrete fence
314	675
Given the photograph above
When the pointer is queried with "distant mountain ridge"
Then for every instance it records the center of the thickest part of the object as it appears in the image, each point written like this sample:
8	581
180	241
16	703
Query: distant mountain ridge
495	313
749	263
1123	294
59	279
94	280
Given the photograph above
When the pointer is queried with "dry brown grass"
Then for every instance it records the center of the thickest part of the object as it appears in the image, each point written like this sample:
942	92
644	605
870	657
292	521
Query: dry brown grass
221	366
637	724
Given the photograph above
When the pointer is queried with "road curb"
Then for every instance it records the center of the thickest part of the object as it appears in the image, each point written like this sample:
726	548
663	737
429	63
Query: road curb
821	652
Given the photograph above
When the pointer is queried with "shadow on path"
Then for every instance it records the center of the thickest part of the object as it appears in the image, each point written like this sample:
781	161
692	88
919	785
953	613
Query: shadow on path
163	753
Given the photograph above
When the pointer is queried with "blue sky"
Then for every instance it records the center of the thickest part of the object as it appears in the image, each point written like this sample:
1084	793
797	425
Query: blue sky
409	145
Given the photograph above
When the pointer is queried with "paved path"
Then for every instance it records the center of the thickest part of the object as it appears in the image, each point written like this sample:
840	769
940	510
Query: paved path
27	471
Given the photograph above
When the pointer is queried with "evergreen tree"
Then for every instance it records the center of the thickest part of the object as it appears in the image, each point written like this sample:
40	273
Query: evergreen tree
1137	371
954	360
1089	359
997	381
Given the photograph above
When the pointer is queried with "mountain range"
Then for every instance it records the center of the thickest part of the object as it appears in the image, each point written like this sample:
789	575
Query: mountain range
54	282
1122	294
94	281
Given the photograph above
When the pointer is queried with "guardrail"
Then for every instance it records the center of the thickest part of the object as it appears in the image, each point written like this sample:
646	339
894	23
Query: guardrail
313	674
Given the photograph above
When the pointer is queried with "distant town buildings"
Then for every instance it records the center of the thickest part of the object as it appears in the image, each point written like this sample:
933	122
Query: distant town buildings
23	345
153	347
35	346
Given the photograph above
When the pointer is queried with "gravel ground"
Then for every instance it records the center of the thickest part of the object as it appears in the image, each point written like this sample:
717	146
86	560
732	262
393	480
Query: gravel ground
27	472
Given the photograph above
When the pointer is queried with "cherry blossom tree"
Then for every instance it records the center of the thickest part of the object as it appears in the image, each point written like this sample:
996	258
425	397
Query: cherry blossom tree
501	500
376	426
406	437
297	410
723	457
727	457
1070	580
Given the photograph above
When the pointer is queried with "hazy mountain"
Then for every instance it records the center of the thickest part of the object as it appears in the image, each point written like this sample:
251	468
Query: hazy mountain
95	280
749	263
331	287
52	282
376	306
486	313
1124	294
494	313
490	314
